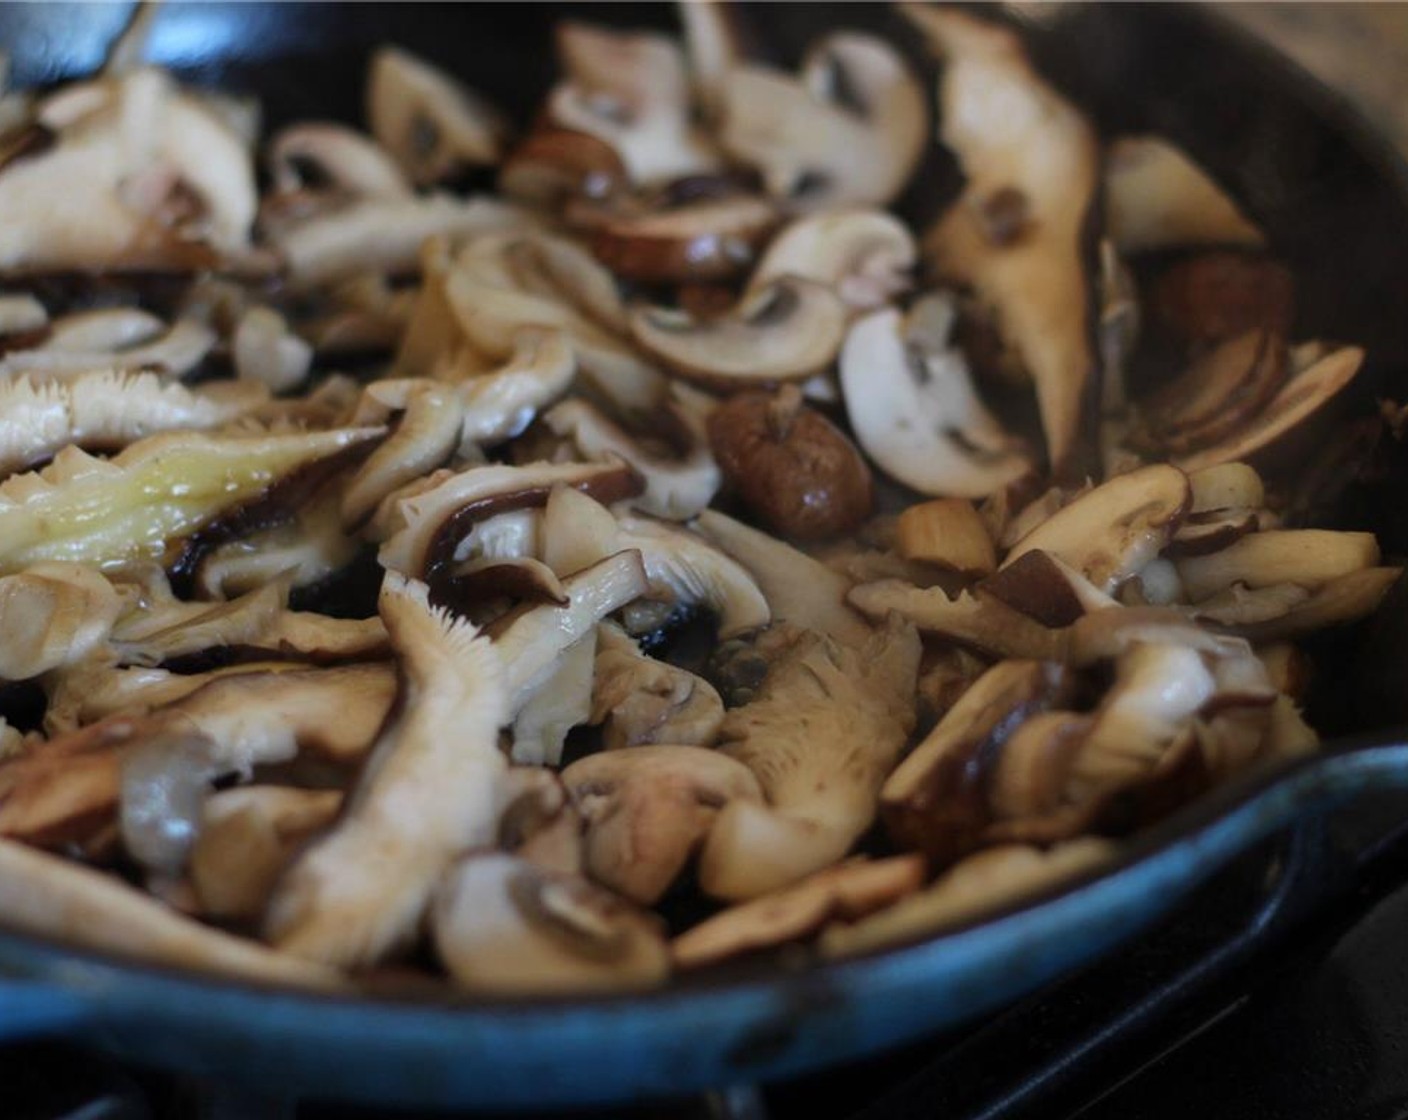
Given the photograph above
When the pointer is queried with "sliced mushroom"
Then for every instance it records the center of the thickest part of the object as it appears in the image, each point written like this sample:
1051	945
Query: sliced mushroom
949	533
914	410
431	124
361	891
1345	598
1307	557
713	239
174	354
539	823
713	43
1156	197
1016	233
429	431
865	255
1227	486
21	317
640	701
647	809
822	734
1209	297
563	701
1047	589
785	331
61	790
504	927
115	328
554	165
53	614
845	893
265	350
977	620
344	160
164	629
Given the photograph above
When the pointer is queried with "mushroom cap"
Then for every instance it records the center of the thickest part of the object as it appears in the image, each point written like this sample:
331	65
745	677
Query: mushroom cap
865	255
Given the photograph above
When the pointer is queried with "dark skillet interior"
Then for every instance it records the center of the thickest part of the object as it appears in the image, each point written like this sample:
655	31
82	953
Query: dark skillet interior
1330	194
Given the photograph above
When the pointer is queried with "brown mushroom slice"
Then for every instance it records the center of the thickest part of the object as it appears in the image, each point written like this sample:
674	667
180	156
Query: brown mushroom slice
154	492
975	620
1307	395
553	165
848	131
425	437
936	799
821	734
785	331
1026	783
1106	635
539	823
431	124
427	527
701	241
647	809
1111	532
1346	598
640	701
946	532
361	891
108	409
1308	557
845	893
1047	589
865	255
266	351
1205	298
914	410
989	880
563	701
502	926
516	577
58	791
52	615
1156	197
1203	533
345	161
798	589
46	896
1016	233
174	354
247	837
677	486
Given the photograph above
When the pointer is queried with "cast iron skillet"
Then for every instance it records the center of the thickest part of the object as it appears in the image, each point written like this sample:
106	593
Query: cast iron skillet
1334	202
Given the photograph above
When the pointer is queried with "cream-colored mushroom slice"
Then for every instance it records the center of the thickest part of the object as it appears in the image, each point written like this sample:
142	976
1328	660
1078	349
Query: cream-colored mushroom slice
1016	233
1107	635
914	410
1287	733
784	331
266	351
344	160
114	328
114	189
798	590
500	405
640	701
539	823
424	438
847	132
986	881
1108	534
21	314
708	240
867	256
430	123
502	926
425	529
822	734
630	90
1306	557
248	836
1156	197
159	631
1203	533
1227	486
53	615
62	790
175	353
1305	397
156	491
1282	612
713	43
562	702
975	619
107	410
46	896
677	486
424	796
935	800
647	809
845	893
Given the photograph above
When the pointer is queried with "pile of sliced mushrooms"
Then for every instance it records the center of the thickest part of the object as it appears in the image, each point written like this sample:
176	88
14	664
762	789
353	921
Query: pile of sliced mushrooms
742	570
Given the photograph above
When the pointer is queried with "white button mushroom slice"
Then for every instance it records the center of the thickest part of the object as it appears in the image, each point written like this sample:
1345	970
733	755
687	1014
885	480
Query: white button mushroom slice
562	702
500	405
1108	534
115	328
1227	486
345	160
798	590
21	315
678	486
53	615
429	122
561	268
713	43
785	331
1307	557
1283	612
848	131
505	927
1156	197
424	796
539	823
424	438
107	410
247	837
986	881
867	256
630	90
176	353
423	530
824	731
647	809
265	350
914	410
640	701
974	619
530	641
1305	397
151	494
46	896
845	893
577	531
1017	232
